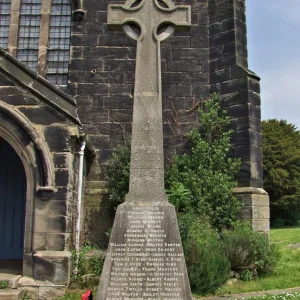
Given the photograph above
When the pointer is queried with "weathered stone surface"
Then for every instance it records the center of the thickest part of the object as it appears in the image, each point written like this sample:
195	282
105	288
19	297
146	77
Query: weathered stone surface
256	207
53	266
11	294
145	258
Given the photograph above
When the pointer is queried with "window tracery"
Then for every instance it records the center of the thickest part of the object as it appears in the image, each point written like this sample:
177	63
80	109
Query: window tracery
59	42
29	33
37	32
5	6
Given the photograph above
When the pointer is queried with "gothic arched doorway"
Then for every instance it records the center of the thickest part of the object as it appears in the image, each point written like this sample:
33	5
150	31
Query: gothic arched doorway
12	204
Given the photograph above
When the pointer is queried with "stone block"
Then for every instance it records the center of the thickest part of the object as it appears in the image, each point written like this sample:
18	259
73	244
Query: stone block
183	90
11	294
62	193
227	61
56	242
184	66
109	53
43	115
229	49
58	207
53	266
62	177
39	240
93	89
48	292
190	53
256	207
85	65
57	137
119	65
57	224
62	160
220	76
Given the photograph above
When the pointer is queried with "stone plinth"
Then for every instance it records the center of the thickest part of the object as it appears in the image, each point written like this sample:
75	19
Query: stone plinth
145	259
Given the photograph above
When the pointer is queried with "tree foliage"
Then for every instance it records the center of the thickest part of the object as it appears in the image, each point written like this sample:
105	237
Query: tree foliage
281	165
201	181
117	174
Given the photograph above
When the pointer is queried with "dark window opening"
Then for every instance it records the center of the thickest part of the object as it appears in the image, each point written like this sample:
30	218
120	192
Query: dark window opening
4	22
59	42
29	32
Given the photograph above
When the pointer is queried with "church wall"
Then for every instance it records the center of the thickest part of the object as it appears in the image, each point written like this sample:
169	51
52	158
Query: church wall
50	210
240	95
211	57
102	74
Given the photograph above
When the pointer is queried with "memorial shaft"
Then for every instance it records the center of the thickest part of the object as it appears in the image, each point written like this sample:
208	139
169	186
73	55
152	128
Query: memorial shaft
147	159
145	258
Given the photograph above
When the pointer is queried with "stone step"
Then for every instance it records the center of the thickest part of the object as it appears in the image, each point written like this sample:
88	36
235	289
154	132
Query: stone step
11	294
11	279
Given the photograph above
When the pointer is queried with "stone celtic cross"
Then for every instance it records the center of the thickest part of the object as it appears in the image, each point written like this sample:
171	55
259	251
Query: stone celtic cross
147	160
145	258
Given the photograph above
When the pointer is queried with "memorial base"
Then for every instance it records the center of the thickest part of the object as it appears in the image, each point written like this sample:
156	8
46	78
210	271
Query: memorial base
145	258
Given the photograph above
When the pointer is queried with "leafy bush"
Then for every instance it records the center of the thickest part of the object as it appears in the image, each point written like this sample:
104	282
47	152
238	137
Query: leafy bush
86	265
202	180
207	265
3	284
249	252
117	174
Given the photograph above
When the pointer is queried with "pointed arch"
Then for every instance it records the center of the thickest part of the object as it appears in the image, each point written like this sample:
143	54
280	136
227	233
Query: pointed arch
30	147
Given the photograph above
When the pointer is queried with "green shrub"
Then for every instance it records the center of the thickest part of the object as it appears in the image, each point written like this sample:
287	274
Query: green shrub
249	252
87	265
117	174
202	180
207	265
3	284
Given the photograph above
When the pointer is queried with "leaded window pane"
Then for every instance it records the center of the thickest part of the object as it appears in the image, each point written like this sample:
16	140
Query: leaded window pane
29	32
59	42
29	57
4	22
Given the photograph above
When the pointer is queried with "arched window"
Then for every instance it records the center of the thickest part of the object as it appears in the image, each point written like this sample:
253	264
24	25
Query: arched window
4	22
37	32
59	42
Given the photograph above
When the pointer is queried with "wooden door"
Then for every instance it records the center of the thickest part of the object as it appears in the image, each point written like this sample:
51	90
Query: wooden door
12	203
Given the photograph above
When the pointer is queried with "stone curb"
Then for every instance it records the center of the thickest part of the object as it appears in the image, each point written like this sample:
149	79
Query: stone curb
252	294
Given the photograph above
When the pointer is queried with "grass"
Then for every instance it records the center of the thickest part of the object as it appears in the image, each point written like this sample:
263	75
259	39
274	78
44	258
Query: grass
284	296
286	273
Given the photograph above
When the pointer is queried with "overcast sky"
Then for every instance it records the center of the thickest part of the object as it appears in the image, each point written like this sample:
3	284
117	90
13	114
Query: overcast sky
274	55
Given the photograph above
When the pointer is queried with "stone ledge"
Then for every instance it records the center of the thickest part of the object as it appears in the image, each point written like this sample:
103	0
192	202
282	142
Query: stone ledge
11	294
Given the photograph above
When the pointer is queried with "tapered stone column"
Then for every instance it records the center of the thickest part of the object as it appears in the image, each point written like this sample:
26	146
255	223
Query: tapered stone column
145	259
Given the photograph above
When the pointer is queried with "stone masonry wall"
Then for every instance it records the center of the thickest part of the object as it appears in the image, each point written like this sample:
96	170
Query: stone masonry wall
239	88
53	222
240	95
211	57
102	81
48	233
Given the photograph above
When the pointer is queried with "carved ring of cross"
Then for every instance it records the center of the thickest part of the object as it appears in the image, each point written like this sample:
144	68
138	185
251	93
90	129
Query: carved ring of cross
166	33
